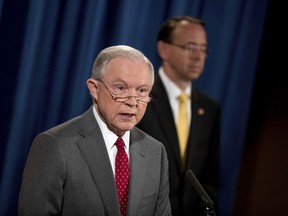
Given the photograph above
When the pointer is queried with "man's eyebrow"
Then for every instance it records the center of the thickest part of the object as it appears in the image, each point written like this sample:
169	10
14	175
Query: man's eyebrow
196	44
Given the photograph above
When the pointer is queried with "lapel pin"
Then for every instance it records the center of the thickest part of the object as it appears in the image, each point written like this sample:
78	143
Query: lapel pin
201	111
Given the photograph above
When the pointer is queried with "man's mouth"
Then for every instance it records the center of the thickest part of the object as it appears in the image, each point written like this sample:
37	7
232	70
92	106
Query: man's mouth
128	114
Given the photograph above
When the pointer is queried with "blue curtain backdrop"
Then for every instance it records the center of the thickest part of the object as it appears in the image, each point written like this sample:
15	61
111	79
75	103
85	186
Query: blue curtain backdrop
47	48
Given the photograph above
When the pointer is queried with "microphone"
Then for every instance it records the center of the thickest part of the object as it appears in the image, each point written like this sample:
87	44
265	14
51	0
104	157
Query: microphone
209	205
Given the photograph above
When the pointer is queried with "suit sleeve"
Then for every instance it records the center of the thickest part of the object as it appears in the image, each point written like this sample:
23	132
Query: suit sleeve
43	178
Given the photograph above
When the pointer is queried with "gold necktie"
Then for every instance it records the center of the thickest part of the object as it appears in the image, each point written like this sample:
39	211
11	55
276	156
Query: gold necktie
182	125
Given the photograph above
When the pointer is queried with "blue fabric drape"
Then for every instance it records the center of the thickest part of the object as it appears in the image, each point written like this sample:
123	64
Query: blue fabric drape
47	48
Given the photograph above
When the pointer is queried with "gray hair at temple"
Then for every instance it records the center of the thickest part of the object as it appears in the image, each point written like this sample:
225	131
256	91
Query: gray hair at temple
123	51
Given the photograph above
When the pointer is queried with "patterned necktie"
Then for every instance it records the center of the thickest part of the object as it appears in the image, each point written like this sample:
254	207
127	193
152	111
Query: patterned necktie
122	174
182	125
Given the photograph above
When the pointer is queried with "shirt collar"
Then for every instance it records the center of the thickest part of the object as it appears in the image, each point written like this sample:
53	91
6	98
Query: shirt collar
172	89
110	137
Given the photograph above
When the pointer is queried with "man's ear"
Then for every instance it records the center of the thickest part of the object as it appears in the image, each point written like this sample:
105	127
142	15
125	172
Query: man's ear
162	49
93	87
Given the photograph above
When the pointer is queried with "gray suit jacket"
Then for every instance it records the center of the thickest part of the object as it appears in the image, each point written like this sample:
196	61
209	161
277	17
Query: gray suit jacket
68	172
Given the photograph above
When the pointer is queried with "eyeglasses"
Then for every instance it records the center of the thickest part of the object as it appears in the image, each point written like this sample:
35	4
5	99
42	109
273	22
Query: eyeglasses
192	48
119	93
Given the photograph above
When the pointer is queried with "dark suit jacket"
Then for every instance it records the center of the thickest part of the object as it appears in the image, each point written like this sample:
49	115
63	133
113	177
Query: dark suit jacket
68	172
202	149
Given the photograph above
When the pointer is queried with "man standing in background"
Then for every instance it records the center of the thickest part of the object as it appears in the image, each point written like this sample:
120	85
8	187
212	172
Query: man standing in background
184	119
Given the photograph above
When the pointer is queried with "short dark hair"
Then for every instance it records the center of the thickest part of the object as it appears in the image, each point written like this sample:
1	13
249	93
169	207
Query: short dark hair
170	24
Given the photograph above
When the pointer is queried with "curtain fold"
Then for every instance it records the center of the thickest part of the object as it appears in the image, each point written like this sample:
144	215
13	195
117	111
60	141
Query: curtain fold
48	48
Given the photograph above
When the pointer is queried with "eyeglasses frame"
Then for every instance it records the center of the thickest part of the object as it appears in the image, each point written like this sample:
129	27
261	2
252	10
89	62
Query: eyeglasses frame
184	47
126	98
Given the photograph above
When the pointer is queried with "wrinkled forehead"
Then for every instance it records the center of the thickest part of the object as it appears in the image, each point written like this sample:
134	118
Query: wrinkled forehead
128	70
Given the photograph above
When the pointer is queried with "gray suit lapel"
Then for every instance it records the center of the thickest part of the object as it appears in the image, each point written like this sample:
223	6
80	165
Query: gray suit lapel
94	150
138	170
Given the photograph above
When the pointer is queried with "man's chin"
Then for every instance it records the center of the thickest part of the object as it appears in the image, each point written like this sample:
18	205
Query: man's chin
125	127
194	76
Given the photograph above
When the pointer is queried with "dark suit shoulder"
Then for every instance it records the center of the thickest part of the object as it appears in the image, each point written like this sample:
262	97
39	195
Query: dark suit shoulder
203	97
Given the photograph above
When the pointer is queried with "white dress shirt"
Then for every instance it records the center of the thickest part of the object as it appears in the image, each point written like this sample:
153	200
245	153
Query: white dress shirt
173	92
110	139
